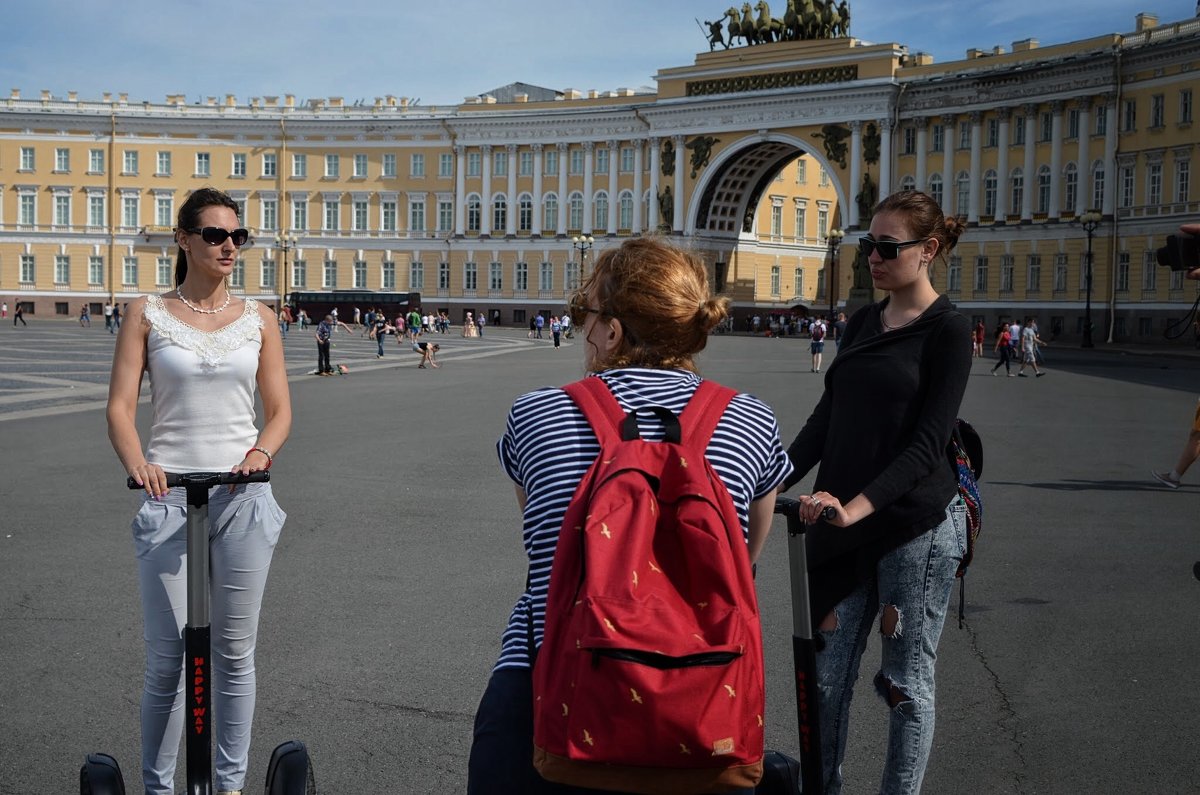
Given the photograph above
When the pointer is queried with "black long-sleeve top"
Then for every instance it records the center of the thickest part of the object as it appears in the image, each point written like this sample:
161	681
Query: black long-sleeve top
881	429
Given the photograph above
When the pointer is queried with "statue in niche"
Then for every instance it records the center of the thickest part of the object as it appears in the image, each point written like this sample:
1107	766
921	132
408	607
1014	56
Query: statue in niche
834	136
866	199
871	142
701	149
666	208
668	158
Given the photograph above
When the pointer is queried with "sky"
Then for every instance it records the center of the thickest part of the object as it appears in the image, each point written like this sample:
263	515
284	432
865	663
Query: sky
440	53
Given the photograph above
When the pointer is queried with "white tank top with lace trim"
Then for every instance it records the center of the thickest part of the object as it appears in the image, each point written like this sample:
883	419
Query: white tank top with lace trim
202	387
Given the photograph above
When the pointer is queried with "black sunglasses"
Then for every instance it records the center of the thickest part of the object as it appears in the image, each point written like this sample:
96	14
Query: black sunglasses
215	235
578	309
888	249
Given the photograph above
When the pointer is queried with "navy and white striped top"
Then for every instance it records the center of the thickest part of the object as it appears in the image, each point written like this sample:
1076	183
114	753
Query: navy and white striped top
548	446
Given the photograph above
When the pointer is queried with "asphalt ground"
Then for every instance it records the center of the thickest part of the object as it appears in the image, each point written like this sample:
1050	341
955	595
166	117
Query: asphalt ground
401	559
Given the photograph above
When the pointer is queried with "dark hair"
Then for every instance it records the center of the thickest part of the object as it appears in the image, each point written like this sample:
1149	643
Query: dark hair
924	218
189	218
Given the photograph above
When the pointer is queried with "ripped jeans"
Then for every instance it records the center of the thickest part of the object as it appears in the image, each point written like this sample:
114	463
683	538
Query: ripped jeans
910	594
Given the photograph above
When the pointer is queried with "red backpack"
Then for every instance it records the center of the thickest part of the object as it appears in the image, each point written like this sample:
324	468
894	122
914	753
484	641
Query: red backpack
650	675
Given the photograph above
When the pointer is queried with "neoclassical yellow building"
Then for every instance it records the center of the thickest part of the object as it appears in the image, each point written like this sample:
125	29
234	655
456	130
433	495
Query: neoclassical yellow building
751	156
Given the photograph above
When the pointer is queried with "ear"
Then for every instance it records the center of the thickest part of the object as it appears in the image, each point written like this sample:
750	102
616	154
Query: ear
929	249
614	334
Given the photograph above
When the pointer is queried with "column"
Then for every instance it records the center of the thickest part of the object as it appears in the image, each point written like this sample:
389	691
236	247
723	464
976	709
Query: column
677	223
976	166
614	162
948	121
1030	164
1056	155
1002	197
855	170
885	158
538	210
563	208
485	222
460	191
1083	161
589	166
922	125
638	153
655	173
1110	155
510	217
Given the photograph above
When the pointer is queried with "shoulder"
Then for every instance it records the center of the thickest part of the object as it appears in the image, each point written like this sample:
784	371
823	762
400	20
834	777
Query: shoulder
139	306
259	309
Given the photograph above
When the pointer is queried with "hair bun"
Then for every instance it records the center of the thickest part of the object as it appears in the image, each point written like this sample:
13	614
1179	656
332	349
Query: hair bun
954	229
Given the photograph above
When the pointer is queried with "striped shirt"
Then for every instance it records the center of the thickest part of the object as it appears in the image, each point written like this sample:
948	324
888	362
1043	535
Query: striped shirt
548	446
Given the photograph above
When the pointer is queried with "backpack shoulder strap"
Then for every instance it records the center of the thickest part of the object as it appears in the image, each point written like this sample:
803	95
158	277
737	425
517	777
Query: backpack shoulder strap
702	413
599	407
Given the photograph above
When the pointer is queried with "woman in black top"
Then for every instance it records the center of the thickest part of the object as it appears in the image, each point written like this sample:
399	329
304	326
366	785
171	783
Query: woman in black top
880	433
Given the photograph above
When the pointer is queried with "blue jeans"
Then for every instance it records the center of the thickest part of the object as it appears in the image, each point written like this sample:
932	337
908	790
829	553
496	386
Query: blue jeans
916	580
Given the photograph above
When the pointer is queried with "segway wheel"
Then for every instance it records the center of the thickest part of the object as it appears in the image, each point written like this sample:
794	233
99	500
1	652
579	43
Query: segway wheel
290	771
100	775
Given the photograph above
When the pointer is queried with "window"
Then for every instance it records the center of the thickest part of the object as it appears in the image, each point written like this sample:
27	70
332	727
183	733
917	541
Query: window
1102	120
62	210
1123	272
443	275
237	277
470	276
1047	123
360	221
981	274
937	190
27	209
267	273
775	270
962	193
1071	187
1098	185
1154	184
550	213
300	166
1060	272
1043	194
600	211
162	272
238	168
551	157
521	277
96	211
500	164
62	159
129	211
1126	173
416	214
96	161
387	277
1158	104
270	214
300	214
445	222
28	269
776	221
801	223
1185	106
802	172
625	211
474	213
27	158
360	166
576	161
1006	273
1073	123
416	165
499	213
822	224
602	161
1149	271
416	275
546	277
62	269
164	164
474	164
627	159
964	135
937	134
525	213
130	162
1016	191
575	211
571	276
332	215
333	166
1033	273
1129	116
495	277
1176	281
164	210
1019	131
129	272
389	165
990	193
1183	178
360	275
299	273
993	132
329	274
525	161
824	180
798	282
270	164
954	275
910	141
95	271
387	215
445	165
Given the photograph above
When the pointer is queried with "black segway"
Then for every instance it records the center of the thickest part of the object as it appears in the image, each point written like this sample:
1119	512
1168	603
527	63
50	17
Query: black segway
290	770
783	775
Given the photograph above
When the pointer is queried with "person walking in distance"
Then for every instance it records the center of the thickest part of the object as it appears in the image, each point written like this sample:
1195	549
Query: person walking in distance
3	309
1003	349
19	314
1191	448
889	555
1029	342
816	345
977	339
207	354
323	334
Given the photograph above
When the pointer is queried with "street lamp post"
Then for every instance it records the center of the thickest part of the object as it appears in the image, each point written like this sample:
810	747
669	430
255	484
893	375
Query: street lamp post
1089	221
835	239
582	244
285	242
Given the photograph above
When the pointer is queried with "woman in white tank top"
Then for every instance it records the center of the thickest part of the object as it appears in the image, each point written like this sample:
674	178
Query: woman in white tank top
205	353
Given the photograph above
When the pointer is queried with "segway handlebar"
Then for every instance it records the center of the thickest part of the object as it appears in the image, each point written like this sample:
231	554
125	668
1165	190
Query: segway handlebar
790	507
207	479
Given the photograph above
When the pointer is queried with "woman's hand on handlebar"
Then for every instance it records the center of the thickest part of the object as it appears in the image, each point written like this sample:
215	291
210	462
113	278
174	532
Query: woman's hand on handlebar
818	506
151	478
255	461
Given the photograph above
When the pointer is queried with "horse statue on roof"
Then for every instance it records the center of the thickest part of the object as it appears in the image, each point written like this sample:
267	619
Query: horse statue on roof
769	29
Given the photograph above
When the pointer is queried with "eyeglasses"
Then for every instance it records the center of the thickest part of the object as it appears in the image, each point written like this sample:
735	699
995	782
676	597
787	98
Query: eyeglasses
888	249
215	235
578	309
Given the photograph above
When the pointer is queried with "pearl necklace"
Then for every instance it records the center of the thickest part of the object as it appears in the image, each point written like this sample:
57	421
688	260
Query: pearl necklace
195	308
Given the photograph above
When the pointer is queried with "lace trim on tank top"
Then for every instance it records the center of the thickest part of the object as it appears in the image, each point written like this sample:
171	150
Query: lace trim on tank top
210	346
